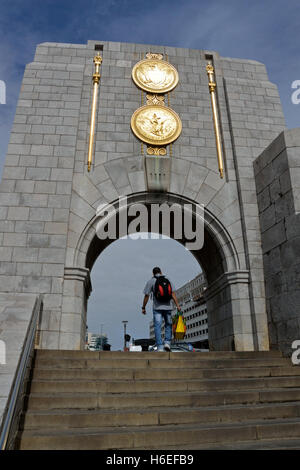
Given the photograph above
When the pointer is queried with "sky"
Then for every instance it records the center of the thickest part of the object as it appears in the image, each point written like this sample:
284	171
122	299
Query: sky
263	30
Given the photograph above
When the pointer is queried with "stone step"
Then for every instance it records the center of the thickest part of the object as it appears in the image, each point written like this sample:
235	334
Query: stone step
154	436
142	386
66	419
50	353
157	374
57	363
262	444
117	400
60	401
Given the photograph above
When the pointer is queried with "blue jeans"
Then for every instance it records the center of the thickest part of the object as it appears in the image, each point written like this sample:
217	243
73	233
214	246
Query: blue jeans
158	315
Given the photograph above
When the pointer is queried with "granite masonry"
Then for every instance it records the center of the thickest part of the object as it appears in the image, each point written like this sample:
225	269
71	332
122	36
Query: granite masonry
48	200
277	174
15	316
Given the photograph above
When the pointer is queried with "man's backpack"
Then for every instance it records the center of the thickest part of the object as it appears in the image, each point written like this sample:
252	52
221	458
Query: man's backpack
162	289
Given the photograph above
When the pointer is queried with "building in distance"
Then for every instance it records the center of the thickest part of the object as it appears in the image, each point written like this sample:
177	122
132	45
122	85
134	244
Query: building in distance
96	342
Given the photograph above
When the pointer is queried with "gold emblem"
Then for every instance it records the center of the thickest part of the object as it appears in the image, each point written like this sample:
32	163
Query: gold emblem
156	124
155	75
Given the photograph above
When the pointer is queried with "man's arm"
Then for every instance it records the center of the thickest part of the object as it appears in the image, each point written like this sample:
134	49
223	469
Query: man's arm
146	298
175	300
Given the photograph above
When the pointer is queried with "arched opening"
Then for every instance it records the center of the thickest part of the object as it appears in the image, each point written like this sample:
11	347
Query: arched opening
227	295
118	278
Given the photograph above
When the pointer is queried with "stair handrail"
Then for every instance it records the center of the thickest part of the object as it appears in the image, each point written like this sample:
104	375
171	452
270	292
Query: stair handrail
18	383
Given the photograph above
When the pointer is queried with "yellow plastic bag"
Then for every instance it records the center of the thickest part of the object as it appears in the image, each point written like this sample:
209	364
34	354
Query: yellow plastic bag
180	328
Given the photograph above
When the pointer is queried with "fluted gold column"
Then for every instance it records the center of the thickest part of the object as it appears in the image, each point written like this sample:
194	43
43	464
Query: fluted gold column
212	89
96	81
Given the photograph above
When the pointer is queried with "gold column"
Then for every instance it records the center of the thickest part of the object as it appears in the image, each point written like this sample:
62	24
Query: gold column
212	89
96	80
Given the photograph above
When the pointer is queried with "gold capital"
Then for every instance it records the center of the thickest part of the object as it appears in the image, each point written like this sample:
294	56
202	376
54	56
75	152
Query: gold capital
152	55
209	68
97	59
156	151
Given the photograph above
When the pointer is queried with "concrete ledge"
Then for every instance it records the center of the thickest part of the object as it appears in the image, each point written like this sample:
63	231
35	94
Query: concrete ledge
15	315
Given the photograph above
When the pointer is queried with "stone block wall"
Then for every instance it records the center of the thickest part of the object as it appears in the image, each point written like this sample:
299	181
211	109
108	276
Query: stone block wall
277	175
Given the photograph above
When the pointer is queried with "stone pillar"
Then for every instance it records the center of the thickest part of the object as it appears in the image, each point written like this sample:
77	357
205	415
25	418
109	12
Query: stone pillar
77	288
230	325
277	175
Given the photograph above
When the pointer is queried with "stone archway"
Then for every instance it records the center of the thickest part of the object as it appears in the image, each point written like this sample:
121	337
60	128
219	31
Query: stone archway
48	198
230	322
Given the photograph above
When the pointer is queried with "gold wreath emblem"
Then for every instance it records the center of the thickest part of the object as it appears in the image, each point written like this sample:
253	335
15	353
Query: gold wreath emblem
155	76
156	124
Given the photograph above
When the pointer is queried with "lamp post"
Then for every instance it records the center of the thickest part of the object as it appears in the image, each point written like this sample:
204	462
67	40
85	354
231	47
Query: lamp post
124	323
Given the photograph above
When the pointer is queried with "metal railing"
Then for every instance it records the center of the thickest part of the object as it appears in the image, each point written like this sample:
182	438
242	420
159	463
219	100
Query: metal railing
15	400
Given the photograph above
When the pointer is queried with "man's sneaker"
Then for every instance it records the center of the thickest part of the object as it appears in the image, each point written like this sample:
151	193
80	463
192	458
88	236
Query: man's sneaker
167	347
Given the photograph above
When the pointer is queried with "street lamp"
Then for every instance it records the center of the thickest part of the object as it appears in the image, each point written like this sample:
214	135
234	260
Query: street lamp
124	323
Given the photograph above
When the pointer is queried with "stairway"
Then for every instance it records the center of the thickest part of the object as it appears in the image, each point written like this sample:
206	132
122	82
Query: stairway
149	400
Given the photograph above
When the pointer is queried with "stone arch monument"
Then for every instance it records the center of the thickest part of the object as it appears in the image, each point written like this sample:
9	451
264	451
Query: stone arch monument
50	191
